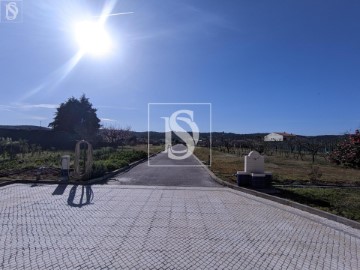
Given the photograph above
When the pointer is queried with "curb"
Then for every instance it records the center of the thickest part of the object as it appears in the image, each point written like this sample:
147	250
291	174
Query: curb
296	205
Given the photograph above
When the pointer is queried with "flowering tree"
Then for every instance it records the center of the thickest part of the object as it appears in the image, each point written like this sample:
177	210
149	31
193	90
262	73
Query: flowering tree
116	136
347	152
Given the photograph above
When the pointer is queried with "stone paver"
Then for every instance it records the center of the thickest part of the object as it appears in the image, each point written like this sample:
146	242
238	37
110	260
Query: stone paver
137	227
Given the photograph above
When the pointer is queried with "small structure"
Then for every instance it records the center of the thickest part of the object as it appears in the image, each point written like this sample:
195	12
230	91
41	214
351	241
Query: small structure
279	137
65	166
39	172
83	172
254	163
254	174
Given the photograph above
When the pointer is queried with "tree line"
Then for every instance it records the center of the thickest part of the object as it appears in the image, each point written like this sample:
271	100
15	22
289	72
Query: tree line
342	150
76	119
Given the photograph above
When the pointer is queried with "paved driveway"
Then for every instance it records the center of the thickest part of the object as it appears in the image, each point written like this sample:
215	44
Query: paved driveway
142	227
163	171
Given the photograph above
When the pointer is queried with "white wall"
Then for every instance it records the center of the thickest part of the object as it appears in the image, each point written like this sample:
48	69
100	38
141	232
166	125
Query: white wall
273	137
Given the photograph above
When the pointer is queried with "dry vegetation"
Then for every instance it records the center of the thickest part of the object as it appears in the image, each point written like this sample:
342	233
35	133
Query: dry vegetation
286	170
152	149
292	172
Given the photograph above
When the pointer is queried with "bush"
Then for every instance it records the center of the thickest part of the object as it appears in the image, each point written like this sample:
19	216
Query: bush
98	169
109	159
347	153
315	173
129	156
104	152
103	166
112	153
114	164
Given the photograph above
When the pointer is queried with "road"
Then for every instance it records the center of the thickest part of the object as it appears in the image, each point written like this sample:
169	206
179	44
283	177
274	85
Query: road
143	227
163	171
160	217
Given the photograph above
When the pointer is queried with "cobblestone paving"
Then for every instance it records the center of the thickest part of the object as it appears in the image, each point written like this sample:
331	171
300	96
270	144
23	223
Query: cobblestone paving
128	227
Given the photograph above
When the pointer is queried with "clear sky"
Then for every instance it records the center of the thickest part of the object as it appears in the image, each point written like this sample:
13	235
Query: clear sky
265	66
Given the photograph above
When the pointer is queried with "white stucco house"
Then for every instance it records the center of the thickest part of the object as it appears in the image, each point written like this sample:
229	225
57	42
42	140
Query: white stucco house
278	137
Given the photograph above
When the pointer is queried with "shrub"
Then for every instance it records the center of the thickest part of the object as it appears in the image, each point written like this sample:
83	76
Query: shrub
315	173
108	159
98	169
347	152
114	164
103	166
104	152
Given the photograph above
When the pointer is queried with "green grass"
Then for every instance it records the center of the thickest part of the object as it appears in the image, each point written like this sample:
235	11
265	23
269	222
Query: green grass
25	167
105	159
153	149
32	161
339	201
109	159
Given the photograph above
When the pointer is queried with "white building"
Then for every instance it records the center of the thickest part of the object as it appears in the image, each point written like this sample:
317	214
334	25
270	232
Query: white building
278	137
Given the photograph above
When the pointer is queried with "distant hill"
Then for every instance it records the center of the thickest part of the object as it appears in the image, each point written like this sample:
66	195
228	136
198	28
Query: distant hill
23	127
46	137
160	135
234	136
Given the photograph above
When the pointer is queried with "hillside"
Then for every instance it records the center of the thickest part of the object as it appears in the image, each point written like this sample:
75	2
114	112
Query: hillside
23	127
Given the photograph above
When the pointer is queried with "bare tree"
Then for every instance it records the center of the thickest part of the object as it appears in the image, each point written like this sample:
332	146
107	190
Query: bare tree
300	146
116	136
313	146
290	145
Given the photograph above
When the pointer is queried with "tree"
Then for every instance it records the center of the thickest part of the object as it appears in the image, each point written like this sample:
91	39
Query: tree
313	146
77	116
299	146
116	136
347	152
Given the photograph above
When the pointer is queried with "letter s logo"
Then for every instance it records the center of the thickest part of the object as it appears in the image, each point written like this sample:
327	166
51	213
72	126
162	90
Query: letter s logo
12	11
171	125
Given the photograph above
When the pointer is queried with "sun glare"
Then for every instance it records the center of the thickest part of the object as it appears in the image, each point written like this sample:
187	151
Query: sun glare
92	38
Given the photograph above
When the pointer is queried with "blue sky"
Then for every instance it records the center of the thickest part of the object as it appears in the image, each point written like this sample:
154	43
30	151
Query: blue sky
264	65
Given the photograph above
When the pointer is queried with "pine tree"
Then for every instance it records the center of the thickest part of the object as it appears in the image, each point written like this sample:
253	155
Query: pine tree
77	116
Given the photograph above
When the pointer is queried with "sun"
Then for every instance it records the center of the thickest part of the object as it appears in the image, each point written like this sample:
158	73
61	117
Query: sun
93	38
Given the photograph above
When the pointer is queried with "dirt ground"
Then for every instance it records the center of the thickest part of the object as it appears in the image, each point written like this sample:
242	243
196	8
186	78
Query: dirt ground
45	173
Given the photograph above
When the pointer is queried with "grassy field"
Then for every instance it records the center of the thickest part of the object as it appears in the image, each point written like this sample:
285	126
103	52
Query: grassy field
153	149
339	201
222	164
26	166
287	171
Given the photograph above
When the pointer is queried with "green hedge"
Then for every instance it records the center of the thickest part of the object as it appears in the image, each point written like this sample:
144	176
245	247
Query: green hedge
107	160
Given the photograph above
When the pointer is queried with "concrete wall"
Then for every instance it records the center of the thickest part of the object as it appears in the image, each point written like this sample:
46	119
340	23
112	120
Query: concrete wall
273	137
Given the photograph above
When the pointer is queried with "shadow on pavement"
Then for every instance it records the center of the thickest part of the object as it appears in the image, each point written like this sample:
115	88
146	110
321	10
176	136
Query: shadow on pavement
85	191
60	189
